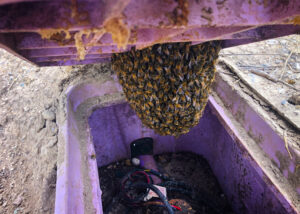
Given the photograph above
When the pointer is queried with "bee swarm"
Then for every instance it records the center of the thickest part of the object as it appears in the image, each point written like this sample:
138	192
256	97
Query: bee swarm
168	84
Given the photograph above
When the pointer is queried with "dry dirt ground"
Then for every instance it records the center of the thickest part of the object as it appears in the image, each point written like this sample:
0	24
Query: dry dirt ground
29	99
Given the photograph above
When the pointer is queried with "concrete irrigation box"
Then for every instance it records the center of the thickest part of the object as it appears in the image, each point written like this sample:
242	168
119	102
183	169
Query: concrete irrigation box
100	122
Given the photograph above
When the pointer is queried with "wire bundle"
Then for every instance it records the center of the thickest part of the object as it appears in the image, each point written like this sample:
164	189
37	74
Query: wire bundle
135	186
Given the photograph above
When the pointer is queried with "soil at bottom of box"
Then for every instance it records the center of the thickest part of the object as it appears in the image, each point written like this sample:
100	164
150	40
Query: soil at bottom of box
194	170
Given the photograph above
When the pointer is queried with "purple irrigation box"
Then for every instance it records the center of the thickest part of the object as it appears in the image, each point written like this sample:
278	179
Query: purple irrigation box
96	126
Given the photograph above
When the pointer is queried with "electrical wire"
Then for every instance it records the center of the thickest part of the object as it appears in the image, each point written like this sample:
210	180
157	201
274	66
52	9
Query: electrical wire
142	179
178	186
126	184
159	203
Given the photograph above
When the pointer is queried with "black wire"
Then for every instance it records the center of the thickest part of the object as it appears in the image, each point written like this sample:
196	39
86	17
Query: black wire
172	185
158	192
126	181
193	192
160	175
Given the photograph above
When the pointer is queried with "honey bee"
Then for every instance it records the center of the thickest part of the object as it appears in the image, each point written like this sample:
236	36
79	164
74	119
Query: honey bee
169	120
178	66
158	68
152	57
176	54
172	79
150	68
151	104
160	94
188	96
197	83
159	59
167	70
183	98
156	77
158	109
180	91
135	65
167	131
177	105
146	57
134	76
176	123
165	98
146	75
155	87
166	87
159	49
166	51
137	54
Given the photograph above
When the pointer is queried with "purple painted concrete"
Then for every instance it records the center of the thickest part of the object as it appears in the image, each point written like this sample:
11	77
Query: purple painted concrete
70	183
270	142
149	22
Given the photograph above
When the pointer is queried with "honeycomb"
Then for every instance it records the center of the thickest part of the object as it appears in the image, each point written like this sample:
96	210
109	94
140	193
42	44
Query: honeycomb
168	84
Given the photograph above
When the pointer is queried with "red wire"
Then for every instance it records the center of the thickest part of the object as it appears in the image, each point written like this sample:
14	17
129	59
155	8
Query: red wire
176	207
144	173
160	203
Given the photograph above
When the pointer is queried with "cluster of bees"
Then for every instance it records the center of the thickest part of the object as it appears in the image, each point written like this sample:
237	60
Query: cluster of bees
168	84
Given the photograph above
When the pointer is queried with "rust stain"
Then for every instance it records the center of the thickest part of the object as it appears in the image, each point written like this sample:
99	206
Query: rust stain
294	178
66	59
79	43
179	16
80	46
284	161
49	33
59	35
207	13
133	37
258	139
296	20
119	31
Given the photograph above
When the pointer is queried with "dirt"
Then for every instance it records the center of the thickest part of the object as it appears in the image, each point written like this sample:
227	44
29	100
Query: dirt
27	135
29	102
190	168
279	59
